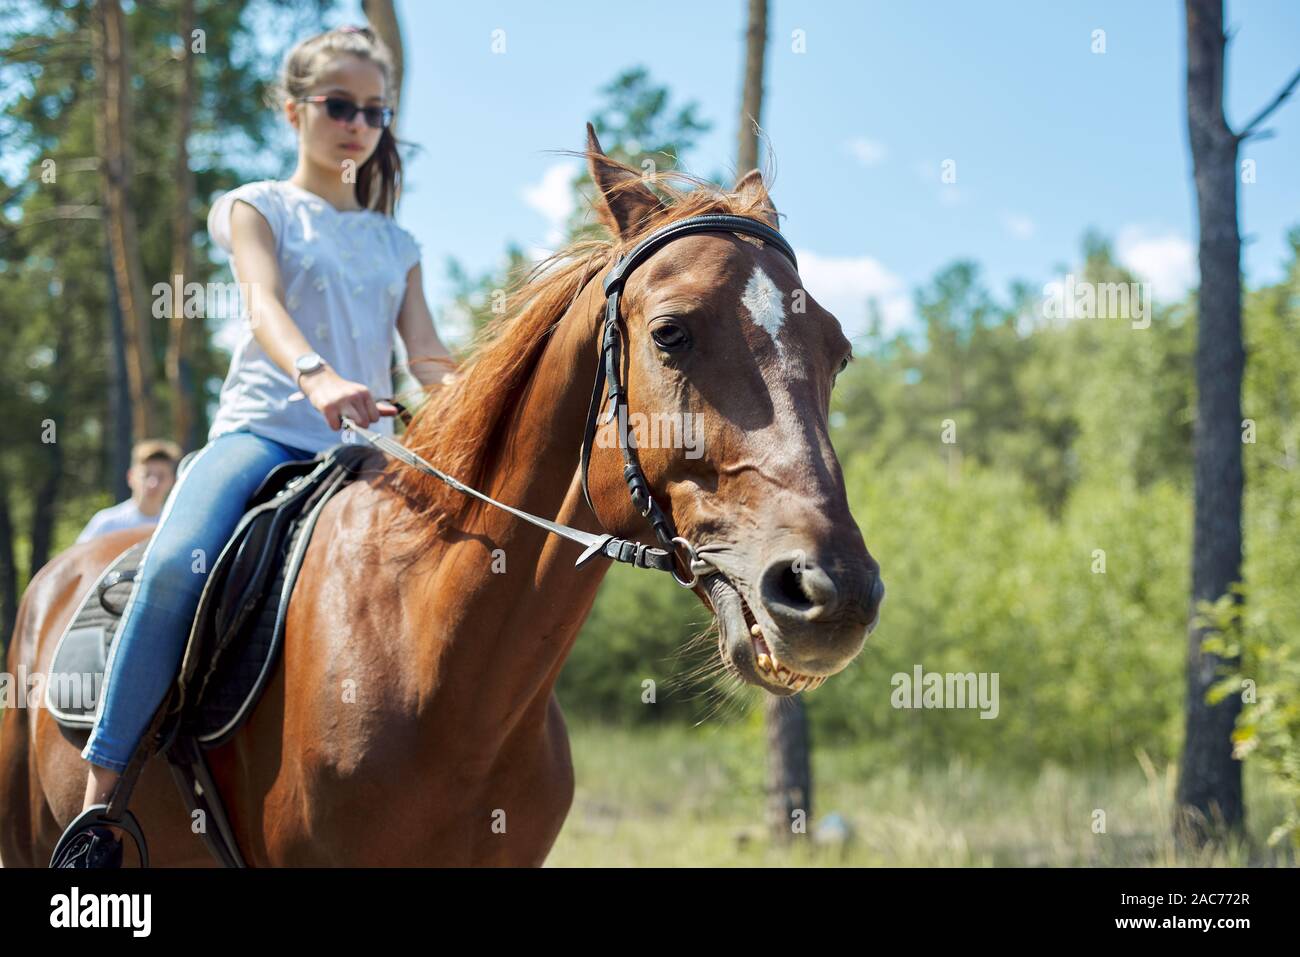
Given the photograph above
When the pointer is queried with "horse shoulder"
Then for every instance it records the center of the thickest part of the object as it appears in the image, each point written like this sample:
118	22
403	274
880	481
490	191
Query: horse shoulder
344	633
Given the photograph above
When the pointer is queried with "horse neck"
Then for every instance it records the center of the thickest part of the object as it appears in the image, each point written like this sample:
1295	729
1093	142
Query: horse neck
513	630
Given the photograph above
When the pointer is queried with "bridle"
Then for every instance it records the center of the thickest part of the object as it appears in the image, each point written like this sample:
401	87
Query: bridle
608	367
609	364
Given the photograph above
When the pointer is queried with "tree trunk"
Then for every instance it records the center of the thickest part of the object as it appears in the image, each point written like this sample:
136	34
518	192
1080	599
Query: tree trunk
789	769
45	507
1209	793
118	440
45	501
178	372
383	20
751	97
113	132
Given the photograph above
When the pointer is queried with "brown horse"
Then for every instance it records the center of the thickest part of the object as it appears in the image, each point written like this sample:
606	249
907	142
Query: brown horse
413	720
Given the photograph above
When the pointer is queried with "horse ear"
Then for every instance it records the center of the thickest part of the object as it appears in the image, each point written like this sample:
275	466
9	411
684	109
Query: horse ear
750	189
622	201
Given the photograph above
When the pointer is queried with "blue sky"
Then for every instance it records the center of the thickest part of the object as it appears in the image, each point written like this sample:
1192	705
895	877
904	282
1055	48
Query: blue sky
1049	138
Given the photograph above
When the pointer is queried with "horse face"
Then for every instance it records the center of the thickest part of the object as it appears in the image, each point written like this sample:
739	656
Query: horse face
726	347
730	370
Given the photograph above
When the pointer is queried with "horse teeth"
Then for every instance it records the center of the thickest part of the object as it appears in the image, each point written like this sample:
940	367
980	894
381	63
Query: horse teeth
768	664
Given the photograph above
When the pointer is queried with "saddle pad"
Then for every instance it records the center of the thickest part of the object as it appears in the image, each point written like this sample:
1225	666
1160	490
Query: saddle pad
77	673
236	680
228	677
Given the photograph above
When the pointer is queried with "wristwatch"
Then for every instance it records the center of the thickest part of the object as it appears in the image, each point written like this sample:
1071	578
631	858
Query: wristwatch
306	364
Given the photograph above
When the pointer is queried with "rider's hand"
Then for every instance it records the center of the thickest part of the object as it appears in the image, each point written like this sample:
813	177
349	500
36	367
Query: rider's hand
334	397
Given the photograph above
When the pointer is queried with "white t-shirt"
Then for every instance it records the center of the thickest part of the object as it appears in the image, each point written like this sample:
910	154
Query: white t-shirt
344	277
115	518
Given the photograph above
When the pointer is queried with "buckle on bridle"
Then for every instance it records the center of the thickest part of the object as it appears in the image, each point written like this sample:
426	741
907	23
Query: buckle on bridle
694	563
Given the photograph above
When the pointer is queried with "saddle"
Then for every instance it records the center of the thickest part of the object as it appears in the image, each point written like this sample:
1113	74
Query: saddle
234	642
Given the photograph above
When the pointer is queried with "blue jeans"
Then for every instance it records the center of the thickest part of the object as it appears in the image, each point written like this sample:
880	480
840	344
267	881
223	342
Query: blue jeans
197	520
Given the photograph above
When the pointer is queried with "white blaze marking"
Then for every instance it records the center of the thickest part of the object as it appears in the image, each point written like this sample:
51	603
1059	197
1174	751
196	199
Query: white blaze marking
763	300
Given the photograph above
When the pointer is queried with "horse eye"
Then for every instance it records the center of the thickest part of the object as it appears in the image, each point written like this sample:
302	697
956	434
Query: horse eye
670	337
843	365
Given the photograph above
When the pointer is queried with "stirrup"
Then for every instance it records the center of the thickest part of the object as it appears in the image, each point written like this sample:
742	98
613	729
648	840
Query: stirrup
115	813
95	816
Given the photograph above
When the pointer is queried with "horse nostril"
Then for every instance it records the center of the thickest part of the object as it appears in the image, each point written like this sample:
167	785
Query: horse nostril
875	595
793	584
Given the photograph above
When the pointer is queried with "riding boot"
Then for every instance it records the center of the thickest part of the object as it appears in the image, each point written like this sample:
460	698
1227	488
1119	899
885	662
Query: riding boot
90	841
95	846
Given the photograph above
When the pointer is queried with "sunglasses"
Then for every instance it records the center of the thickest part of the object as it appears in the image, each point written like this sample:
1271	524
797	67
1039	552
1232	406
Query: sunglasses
338	108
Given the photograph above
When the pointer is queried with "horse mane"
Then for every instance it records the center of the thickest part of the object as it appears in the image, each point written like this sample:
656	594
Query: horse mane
459	428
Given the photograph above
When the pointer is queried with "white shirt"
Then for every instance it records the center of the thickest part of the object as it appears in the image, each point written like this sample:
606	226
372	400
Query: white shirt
344	278
115	518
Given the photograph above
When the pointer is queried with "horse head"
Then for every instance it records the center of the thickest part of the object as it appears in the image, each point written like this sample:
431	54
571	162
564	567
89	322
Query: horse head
729	365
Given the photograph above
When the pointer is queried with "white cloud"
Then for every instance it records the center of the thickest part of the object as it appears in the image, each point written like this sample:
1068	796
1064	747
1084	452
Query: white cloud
1021	227
867	152
552	197
843	285
1164	259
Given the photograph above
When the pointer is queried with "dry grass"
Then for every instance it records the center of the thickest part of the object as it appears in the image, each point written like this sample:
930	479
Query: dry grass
693	797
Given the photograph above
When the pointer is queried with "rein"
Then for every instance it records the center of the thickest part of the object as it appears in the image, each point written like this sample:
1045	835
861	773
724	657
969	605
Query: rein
608	367
617	549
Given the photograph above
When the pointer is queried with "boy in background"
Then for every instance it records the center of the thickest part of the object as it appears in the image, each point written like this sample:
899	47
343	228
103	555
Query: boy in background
151	477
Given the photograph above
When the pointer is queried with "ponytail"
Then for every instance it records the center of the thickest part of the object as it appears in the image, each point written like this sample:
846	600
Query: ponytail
382	175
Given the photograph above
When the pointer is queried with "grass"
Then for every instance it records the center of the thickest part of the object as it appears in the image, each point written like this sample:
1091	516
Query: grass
678	796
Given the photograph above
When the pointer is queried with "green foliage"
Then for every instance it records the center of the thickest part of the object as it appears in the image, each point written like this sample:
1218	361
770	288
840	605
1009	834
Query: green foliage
981	578
636	123
54	278
638	632
1049	543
